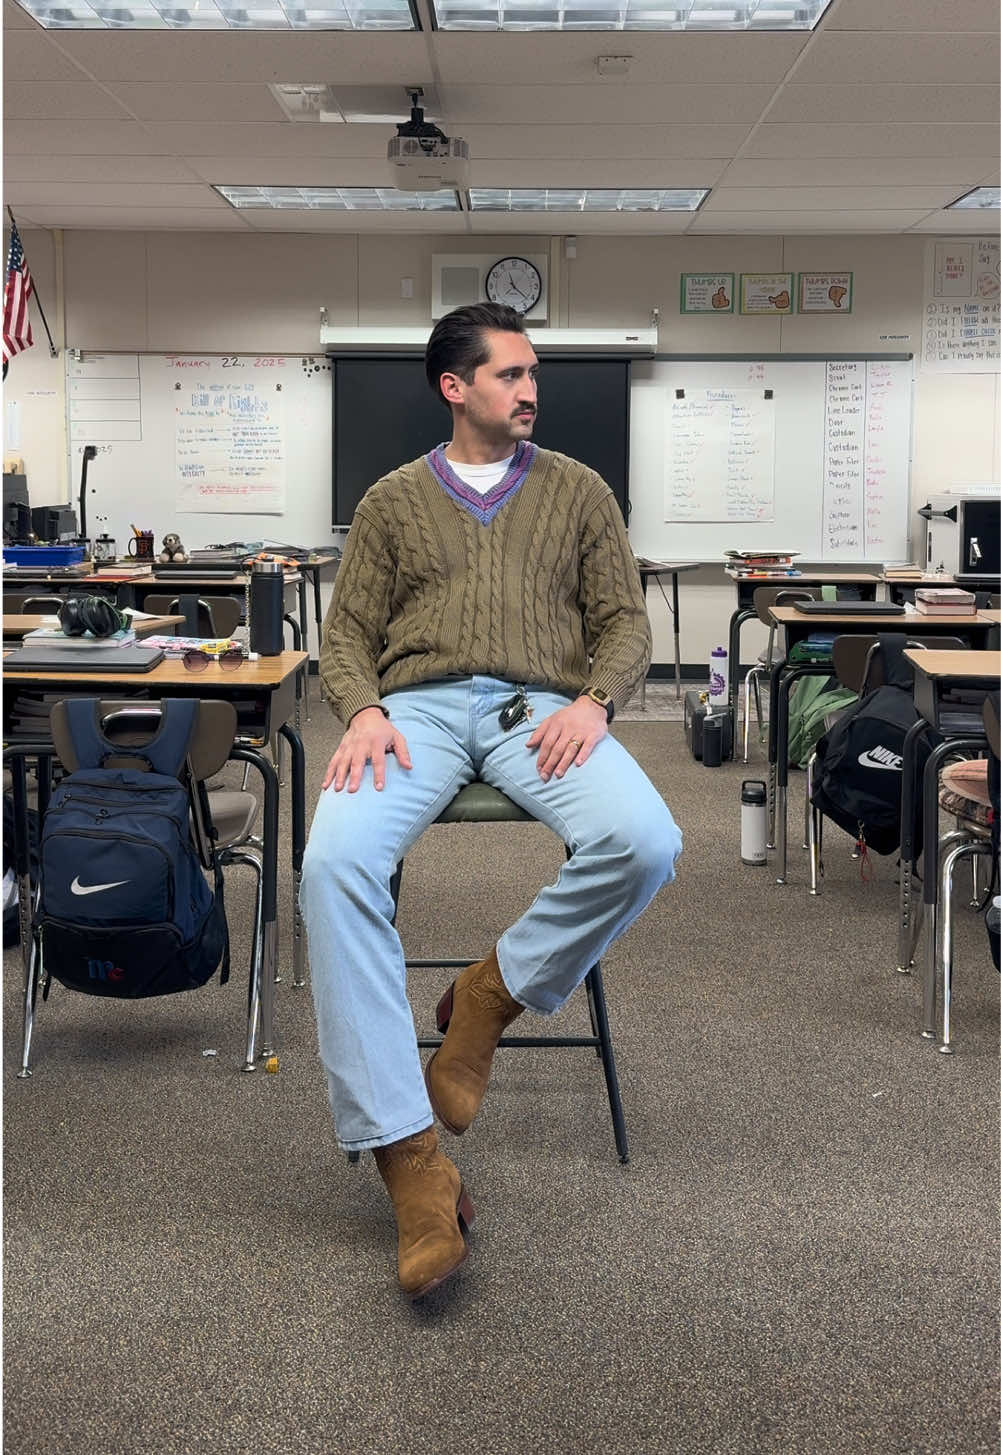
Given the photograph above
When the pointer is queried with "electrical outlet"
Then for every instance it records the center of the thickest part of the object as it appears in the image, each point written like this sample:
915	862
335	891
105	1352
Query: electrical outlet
406	287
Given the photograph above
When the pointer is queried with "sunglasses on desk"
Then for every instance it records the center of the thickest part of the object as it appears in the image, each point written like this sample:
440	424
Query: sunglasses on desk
197	661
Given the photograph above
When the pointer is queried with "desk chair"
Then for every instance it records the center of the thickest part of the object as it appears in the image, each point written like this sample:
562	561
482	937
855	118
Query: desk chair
223	818
205	616
15	604
765	597
963	791
858	664
479	803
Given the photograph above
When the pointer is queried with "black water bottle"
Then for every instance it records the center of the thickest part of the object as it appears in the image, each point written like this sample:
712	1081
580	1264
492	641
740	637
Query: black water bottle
267	595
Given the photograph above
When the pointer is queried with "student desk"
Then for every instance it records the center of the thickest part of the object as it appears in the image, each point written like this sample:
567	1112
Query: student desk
900	589
797	626
865	584
15	626
264	694
656	569
936	676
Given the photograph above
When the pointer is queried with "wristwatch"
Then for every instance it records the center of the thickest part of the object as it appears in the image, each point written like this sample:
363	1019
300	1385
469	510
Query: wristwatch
602	699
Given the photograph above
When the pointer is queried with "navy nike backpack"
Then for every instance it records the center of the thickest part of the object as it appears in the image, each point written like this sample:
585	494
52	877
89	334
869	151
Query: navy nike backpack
125	908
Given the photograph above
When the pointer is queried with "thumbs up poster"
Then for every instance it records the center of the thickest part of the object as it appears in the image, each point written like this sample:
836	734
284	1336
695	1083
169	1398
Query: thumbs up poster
707	292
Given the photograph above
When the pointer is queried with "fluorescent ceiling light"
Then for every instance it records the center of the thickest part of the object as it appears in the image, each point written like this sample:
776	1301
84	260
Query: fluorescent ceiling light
222	15
339	199
628	14
979	197
587	199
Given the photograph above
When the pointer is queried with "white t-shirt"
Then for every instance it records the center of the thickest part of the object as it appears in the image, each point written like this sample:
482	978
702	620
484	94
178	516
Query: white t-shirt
482	478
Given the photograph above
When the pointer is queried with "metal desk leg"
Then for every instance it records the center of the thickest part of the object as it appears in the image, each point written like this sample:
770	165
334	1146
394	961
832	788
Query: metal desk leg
269	891
773	714
737	620
304	624
677	635
930	848
318	610
298	776
909	916
787	681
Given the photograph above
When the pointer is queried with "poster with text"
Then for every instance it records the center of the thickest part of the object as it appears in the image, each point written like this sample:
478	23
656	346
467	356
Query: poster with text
824	292
961	320
762	293
707	292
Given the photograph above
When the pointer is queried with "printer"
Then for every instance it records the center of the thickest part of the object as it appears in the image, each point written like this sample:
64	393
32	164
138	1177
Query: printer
963	537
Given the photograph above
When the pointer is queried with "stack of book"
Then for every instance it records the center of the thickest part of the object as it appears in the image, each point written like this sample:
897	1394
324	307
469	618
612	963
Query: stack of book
765	564
904	573
54	636
945	601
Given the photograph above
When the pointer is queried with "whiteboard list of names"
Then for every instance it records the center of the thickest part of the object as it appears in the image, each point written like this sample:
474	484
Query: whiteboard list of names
720	460
229	446
862	474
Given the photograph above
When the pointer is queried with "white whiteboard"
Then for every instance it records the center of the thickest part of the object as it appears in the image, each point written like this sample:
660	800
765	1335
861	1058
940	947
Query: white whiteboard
837	475
217	448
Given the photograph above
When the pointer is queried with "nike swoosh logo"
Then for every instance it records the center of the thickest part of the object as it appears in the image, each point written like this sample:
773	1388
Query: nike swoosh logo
77	888
868	762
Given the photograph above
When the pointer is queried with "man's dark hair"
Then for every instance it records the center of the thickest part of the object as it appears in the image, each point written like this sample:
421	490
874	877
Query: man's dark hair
458	345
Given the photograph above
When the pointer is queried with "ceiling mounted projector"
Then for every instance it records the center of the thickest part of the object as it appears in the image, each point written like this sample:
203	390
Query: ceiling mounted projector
422	158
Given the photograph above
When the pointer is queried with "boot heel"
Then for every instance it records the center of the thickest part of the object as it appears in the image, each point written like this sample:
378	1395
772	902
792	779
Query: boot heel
443	1013
464	1211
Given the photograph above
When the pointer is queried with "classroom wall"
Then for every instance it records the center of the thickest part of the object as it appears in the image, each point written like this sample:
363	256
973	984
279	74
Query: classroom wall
214	292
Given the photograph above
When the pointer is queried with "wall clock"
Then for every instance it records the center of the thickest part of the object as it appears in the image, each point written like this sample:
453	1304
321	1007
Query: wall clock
514	281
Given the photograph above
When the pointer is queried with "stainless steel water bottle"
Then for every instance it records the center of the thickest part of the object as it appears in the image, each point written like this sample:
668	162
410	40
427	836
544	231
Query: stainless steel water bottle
753	821
712	740
267	592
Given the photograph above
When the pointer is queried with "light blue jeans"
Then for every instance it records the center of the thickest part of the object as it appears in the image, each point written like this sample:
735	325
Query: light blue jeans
624	844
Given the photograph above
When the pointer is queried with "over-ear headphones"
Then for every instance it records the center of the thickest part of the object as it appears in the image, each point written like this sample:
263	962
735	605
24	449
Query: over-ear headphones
79	614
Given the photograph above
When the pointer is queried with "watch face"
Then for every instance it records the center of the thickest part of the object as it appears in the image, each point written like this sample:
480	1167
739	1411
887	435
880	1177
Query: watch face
516	282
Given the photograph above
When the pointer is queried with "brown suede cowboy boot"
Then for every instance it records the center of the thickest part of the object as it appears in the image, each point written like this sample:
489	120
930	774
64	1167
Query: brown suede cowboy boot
432	1208
474	1012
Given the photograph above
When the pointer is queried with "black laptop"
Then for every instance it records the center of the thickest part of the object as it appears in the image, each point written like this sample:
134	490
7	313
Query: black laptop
849	608
94	659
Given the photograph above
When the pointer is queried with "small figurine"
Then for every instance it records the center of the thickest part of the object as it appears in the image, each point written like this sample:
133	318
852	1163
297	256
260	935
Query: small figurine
173	550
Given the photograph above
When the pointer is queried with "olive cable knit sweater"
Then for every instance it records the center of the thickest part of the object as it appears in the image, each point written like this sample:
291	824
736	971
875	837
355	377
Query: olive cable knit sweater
547	593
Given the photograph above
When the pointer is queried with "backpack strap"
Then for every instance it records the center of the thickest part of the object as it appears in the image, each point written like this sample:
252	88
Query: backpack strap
165	752
897	671
187	606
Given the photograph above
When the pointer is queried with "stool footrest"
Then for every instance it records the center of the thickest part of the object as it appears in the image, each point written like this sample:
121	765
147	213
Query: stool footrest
592	1041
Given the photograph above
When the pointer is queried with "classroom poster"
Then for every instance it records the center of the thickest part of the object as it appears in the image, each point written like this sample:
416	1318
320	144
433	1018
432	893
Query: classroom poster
961	319
720	457
707	292
824	292
762	293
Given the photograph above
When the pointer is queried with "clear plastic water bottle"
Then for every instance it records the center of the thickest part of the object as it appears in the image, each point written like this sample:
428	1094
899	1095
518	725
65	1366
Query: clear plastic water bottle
753	822
719	678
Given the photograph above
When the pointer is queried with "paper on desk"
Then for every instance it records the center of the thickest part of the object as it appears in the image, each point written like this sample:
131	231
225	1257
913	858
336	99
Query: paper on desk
140	615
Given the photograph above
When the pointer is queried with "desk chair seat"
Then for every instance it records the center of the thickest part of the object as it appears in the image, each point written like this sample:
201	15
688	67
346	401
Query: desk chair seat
479	803
130	724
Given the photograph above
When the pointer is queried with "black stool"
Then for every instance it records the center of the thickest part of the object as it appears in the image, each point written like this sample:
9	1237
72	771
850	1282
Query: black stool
479	803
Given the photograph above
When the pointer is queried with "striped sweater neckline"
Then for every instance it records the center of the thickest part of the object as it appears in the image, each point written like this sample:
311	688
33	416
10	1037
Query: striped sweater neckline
483	507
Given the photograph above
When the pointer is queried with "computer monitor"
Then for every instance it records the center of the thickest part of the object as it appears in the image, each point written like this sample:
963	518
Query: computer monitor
16	511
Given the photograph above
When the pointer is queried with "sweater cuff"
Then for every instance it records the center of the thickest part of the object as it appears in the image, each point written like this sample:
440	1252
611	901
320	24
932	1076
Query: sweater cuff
351	703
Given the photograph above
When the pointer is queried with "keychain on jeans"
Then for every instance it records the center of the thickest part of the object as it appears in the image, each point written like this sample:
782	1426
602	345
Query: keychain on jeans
517	710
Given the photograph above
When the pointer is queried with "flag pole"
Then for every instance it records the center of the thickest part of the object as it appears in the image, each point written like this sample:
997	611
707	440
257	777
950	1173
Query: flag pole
53	351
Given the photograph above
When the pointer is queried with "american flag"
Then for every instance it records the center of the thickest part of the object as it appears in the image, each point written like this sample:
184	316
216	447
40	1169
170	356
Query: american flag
17	289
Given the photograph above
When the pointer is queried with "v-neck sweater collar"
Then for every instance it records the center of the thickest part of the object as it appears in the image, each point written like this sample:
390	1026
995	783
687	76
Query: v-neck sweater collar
483	507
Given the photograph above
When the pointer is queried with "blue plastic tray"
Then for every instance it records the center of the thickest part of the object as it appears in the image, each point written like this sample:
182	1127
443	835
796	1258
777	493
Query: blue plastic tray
42	555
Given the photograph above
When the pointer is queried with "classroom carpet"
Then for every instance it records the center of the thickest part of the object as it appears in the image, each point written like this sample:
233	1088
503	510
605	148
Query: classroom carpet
799	1258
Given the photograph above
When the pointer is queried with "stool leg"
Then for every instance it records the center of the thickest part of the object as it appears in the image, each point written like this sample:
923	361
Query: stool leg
596	998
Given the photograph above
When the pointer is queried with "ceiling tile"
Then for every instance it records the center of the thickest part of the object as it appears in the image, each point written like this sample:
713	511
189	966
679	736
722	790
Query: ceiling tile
198	101
850	140
96	169
983	224
619	106
279	220
138	219
14	18
828	199
542	58
556	224
95	138
603	143
815	222
845	56
281	140
109	194
32	55
956	17
857	171
59	100
886	102
230	56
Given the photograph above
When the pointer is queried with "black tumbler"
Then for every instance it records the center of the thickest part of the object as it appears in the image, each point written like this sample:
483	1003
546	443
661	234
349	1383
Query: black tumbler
267	596
712	742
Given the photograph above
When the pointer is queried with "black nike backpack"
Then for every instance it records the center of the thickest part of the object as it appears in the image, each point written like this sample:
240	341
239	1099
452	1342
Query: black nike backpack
858	774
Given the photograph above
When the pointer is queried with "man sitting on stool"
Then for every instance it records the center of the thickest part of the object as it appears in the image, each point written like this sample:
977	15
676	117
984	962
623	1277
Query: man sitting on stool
486	621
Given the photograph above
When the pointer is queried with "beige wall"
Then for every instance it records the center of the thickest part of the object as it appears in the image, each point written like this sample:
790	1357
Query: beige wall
215	292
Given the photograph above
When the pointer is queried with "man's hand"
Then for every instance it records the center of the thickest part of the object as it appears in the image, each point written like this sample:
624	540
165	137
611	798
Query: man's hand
568	736
369	737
